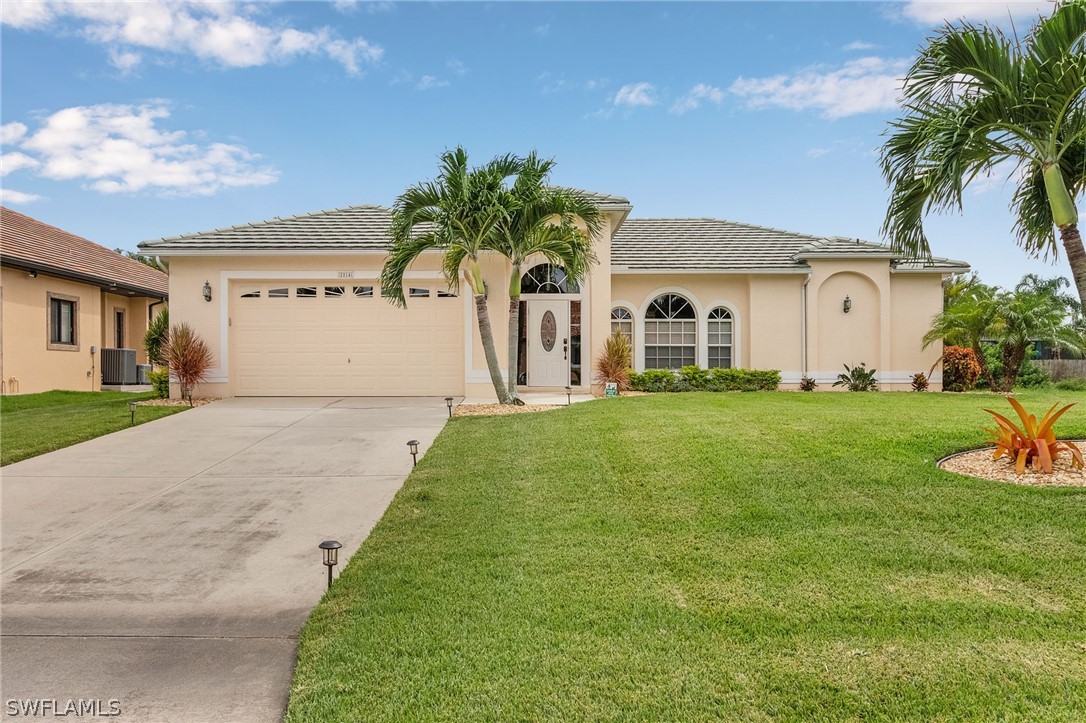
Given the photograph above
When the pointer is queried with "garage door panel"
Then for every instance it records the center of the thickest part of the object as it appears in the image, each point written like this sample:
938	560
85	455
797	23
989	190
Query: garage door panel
345	345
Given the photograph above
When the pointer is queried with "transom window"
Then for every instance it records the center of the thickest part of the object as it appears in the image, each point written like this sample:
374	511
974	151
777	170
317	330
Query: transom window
720	338
622	322
671	333
547	279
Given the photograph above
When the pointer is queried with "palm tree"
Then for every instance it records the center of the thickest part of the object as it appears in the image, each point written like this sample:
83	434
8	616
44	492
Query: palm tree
966	321
1025	317
975	99
542	221
458	214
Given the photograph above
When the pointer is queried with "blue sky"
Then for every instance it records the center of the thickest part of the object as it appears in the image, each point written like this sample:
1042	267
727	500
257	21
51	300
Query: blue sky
126	122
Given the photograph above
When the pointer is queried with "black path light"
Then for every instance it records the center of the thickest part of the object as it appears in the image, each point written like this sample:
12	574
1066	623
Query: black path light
413	445
448	403
132	412
569	396
331	556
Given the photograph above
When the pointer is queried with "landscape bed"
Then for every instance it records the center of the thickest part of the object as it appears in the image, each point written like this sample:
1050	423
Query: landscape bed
699	556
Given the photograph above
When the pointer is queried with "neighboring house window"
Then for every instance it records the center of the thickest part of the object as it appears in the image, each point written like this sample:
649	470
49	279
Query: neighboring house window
622	322
720	338
671	333
118	327
547	279
63	322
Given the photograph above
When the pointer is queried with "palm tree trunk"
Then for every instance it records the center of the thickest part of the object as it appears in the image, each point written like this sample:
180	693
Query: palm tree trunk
985	373
514	348
486	335
1013	355
1076	257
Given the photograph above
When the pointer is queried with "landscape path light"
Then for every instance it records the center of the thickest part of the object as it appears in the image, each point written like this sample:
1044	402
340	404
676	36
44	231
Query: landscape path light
132	412
331	556
448	403
413	445
569	396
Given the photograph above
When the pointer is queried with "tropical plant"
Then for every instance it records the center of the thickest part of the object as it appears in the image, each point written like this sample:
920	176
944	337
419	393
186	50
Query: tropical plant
160	382
965	321
158	333
858	379
613	366
542	221
188	357
1025	317
807	384
960	369
976	99
457	214
1030	375
1034	442
920	382
1072	384
695	379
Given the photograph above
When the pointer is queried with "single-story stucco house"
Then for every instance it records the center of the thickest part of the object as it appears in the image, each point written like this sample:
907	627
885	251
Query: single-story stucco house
295	307
68	304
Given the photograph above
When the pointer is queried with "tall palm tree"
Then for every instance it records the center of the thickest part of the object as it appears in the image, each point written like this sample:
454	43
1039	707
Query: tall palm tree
542	221
975	99
457	213
966	321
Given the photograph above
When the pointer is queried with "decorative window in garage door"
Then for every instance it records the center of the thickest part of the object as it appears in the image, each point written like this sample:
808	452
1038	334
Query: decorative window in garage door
251	294
306	292
417	292
364	292
333	292
281	293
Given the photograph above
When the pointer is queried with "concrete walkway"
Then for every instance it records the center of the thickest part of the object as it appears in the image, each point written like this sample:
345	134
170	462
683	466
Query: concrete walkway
171	566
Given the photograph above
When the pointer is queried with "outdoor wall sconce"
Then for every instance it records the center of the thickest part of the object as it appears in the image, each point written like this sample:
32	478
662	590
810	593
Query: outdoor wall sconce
331	556
448	403
413	445
569	396
33	274
207	291
132	412
848	304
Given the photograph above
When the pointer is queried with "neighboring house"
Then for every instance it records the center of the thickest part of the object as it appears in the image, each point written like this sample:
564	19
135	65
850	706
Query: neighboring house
295	307
65	299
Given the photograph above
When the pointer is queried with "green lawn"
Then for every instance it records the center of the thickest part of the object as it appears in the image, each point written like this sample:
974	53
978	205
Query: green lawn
772	556
33	424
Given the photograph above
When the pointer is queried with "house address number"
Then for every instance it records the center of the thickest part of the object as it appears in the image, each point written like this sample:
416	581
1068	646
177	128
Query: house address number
346	274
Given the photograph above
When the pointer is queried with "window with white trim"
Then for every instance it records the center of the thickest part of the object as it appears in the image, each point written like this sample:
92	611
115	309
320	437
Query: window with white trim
671	333
721	327
622	322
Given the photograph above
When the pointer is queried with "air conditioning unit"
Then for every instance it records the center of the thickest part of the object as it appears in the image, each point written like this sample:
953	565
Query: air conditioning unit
118	366
141	373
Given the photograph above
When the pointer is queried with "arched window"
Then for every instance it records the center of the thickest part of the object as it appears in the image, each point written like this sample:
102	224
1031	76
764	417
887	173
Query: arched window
720	338
671	333
622	322
547	279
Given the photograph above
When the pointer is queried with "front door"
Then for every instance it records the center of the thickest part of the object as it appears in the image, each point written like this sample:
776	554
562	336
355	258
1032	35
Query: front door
548	343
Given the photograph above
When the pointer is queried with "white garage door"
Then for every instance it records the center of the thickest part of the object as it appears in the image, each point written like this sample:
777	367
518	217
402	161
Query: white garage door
341	339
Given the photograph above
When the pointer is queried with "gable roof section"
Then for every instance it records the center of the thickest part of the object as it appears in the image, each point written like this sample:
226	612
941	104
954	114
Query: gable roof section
28	243
647	245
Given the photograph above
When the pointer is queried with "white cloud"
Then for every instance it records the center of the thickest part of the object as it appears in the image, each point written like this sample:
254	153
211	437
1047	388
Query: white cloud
543	29
457	66
11	196
11	132
345	6
936	12
124	149
552	84
693	99
229	34
818	152
635	94
427	82
859	45
863	85
16	161
124	60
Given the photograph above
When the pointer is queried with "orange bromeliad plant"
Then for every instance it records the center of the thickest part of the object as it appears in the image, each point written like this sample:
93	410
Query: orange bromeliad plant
1034	441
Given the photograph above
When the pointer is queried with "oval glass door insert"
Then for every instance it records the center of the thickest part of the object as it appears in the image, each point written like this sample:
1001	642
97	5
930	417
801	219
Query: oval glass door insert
548	330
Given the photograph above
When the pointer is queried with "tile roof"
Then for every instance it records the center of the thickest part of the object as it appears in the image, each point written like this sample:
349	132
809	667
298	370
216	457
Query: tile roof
29	243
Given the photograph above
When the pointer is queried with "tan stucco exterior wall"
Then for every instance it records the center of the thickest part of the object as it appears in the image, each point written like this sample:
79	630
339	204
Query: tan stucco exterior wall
29	359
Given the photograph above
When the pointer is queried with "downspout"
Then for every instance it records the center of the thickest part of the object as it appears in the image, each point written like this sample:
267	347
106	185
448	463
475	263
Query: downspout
803	325
151	309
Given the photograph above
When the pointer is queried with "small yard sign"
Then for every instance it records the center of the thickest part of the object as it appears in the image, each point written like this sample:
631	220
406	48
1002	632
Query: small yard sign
611	390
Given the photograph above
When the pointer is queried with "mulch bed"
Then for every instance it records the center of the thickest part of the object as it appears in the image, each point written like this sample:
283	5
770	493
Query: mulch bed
175	402
485	410
979	463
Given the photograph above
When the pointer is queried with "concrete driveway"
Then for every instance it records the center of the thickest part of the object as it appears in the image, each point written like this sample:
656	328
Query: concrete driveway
171	566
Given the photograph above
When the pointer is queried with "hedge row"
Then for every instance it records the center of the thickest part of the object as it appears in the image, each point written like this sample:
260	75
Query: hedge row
696	379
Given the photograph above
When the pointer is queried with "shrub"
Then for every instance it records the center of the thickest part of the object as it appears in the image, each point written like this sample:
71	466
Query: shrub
160	382
694	378
1072	384
807	384
920	382
1033	442
960	369
614	364
857	379
189	357
158	333
1030	375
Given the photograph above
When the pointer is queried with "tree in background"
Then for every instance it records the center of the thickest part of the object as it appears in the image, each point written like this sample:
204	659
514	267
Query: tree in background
976	99
157	336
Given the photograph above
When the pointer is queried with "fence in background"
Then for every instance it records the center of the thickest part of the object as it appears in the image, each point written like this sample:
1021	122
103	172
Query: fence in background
1063	368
